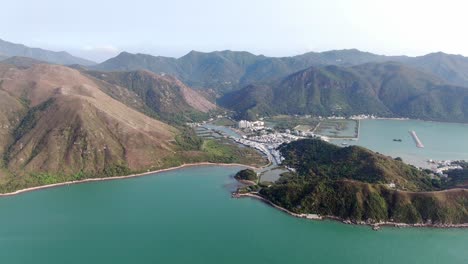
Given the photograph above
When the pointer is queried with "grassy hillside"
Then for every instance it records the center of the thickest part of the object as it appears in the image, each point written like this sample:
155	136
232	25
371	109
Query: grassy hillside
353	183
384	89
225	71
162	96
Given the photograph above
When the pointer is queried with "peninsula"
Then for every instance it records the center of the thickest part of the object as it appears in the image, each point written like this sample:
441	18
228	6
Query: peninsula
356	185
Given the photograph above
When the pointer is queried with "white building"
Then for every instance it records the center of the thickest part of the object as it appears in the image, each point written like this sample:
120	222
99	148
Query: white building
248	124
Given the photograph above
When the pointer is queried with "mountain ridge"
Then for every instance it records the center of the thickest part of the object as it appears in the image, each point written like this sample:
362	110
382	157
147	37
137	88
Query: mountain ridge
385	89
229	70
9	49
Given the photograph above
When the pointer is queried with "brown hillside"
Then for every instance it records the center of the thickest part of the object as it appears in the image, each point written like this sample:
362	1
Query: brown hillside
71	125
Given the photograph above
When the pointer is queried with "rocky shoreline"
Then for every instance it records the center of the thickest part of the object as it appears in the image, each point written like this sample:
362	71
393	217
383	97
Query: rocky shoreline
375	225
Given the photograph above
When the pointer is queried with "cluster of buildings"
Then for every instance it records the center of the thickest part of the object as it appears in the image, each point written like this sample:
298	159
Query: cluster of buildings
255	125
444	165
359	117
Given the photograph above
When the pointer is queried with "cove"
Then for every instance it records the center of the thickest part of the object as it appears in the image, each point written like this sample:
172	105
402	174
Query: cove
188	216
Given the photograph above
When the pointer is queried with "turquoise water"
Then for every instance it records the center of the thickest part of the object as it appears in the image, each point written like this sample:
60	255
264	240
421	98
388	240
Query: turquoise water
442	141
187	216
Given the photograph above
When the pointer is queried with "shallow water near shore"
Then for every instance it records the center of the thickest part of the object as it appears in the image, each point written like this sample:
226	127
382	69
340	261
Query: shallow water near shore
188	216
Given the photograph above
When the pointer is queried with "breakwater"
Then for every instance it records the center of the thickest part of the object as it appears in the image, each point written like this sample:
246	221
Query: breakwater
418	142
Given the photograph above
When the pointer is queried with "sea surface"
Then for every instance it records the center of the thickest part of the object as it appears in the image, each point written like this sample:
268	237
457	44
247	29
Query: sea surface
188	216
442	141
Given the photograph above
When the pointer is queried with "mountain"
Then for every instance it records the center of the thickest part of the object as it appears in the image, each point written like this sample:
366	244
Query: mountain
131	62
385	89
219	70
230	70
163	95
22	62
62	124
59	121
9	49
356	184
227	70
451	68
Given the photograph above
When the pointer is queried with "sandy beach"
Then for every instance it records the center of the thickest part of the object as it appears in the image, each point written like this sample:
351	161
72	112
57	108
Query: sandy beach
124	177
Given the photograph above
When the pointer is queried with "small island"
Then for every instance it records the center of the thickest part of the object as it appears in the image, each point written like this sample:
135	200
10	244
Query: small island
356	185
246	175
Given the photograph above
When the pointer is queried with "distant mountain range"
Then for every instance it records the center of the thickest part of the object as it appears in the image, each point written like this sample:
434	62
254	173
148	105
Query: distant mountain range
8	49
230	70
386	89
342	82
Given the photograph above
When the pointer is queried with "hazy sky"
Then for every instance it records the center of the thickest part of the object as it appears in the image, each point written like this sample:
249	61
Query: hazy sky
99	29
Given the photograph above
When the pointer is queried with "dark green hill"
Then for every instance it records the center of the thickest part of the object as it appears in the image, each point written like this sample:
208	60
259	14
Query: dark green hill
319	159
384	89
230	70
354	183
451	68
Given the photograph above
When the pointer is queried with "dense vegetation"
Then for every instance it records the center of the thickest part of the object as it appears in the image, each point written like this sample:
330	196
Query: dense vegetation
228	70
247	175
457	178
351	183
161	97
383	89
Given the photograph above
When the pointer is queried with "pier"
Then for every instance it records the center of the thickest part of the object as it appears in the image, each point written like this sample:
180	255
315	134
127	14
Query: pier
419	144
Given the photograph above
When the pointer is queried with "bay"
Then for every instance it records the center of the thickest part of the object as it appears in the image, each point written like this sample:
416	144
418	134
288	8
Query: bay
188	216
442	141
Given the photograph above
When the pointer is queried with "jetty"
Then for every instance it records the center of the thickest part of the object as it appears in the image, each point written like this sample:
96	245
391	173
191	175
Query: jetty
419	144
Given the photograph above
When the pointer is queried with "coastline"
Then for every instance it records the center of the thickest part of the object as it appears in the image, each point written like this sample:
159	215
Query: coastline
375	226
200	164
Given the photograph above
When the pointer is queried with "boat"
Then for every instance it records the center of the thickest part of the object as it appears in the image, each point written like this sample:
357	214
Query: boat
397	140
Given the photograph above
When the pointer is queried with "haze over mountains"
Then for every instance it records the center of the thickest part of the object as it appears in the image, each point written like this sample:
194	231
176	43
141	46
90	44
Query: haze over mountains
8	49
230	70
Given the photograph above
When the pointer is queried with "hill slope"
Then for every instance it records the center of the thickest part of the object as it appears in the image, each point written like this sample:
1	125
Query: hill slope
351	183
22	62
60	124
70	125
9	49
451	68
229	70
384	89
164	96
